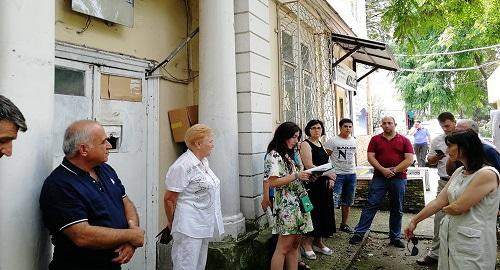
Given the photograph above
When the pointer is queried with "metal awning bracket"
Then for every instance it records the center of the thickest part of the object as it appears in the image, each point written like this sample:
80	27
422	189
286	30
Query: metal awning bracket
366	74
349	53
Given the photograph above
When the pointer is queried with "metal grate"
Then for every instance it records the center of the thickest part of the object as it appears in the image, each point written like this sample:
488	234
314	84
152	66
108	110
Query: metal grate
306	54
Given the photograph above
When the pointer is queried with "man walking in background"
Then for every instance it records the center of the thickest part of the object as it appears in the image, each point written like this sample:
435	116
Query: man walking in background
421	142
11	121
390	154
342	151
438	154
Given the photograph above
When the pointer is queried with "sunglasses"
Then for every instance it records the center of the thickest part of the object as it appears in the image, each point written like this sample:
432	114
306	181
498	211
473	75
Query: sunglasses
414	249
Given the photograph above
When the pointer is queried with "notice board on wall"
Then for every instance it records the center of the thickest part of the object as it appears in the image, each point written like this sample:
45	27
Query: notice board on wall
121	88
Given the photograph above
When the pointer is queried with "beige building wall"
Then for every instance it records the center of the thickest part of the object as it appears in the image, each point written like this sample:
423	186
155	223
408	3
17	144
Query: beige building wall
159	27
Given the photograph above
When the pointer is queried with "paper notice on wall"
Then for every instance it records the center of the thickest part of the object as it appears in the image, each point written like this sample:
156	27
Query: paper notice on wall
121	88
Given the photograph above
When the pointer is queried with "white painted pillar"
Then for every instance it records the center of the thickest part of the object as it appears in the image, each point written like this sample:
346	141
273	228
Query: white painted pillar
253	81
218	103
26	78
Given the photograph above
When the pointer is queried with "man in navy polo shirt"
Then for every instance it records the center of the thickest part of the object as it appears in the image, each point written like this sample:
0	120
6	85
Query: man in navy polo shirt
390	154
94	225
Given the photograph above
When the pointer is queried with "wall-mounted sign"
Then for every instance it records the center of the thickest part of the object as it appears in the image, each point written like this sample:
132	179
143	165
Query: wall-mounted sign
345	77
117	11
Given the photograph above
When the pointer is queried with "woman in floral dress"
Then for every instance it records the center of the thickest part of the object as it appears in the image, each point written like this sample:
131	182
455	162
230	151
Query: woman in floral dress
283	170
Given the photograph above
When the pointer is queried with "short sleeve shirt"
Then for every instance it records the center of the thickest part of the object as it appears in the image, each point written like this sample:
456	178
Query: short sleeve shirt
343	155
421	136
69	196
492	156
389	153
439	143
198	209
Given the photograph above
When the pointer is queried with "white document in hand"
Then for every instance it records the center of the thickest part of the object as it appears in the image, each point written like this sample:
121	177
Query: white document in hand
320	169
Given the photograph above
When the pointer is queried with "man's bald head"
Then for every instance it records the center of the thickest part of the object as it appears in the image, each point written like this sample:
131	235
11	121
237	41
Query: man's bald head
79	132
387	118
464	124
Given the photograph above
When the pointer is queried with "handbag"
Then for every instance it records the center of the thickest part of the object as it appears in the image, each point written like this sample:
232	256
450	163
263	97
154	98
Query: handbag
305	203
165	236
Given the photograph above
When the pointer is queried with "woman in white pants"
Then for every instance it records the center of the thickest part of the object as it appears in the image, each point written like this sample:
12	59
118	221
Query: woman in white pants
192	201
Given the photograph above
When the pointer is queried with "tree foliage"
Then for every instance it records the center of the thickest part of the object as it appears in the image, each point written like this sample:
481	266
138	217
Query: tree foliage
426	26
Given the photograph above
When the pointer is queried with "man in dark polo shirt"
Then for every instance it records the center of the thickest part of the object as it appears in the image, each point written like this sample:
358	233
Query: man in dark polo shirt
94	225
390	154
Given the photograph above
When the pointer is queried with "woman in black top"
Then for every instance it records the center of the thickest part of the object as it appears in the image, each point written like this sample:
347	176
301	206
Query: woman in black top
313	154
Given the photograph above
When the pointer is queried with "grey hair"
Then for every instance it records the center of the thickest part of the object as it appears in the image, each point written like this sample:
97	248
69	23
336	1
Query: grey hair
11	113
76	134
469	124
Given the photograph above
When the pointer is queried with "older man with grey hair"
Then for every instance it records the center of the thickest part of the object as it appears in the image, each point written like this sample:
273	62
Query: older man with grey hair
93	223
491	154
11	121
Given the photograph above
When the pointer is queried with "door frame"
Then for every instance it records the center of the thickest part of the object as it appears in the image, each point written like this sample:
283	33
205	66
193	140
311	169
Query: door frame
100	58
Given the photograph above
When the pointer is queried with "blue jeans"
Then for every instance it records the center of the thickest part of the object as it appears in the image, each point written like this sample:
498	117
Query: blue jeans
344	189
379	185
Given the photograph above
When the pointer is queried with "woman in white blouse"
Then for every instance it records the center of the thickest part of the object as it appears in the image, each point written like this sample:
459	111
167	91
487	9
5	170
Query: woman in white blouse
192	201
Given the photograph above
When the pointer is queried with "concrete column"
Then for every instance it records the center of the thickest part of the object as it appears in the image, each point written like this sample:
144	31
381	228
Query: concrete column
26	78
253	69
217	103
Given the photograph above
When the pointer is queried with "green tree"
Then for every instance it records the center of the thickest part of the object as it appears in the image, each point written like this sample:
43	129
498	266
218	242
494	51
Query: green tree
425	26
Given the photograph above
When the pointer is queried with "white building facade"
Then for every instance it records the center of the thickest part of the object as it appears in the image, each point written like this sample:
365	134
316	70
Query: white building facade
253	65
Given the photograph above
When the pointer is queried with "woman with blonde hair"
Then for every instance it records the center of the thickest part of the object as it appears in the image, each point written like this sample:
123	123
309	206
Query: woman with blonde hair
192	201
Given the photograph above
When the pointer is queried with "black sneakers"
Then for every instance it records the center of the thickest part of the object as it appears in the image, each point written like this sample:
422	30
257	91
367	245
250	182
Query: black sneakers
346	228
427	261
356	239
397	243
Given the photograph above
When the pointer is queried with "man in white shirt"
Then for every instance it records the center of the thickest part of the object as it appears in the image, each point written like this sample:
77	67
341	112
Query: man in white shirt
342	151
438	154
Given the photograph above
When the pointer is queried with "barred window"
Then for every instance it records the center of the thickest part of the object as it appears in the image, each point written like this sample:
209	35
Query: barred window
306	78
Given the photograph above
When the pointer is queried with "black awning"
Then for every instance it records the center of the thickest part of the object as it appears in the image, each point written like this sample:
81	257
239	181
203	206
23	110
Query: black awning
369	52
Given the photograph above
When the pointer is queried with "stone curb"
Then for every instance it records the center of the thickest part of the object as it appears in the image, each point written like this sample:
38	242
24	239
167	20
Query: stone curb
359	246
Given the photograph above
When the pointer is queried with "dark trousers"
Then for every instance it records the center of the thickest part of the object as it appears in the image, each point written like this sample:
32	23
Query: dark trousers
379	186
421	152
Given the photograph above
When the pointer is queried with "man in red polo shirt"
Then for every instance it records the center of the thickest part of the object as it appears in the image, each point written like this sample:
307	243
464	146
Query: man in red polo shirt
390	154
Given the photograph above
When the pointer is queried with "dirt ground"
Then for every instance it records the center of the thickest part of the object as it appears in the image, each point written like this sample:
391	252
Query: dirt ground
378	254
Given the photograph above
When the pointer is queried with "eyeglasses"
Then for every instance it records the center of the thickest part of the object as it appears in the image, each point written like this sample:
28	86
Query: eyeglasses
316	128
414	249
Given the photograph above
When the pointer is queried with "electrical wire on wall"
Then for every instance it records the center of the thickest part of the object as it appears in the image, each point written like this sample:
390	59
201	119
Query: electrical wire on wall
87	24
169	76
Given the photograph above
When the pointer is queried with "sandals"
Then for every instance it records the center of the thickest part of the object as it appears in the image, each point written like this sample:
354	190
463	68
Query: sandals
310	255
325	250
303	266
